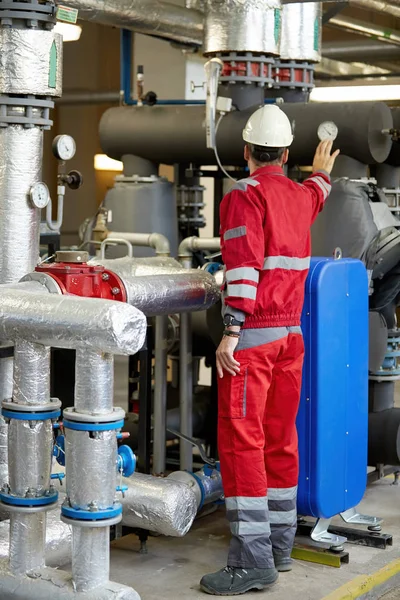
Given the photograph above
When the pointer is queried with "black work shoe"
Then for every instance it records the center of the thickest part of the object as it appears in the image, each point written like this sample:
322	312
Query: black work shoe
233	581
283	563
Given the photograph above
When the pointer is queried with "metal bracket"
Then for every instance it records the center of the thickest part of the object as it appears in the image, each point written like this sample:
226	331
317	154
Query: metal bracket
352	516
320	533
196	444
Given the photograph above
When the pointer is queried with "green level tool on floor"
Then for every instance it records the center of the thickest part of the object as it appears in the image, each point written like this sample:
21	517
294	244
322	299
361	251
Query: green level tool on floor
320	556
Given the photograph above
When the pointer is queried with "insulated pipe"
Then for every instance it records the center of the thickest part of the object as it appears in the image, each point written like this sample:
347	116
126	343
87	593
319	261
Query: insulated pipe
94	394
31	373
158	241
360	51
71	321
90	558
394	156
169	135
27	542
150	17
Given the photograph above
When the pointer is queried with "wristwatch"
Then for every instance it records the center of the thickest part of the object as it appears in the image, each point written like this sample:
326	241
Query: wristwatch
230	321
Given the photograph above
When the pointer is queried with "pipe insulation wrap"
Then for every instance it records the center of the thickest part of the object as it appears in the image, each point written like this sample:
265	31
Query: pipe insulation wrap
91	467
242	26
58	539
27	60
27	541
168	134
301	32
71	321
6	380
30	446
94	382
151	17
139	267
90	557
157	504
20	167
31	373
54	584
3	454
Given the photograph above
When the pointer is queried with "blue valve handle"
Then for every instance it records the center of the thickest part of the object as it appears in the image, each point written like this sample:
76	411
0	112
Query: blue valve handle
59	450
122	488
59	476
126	461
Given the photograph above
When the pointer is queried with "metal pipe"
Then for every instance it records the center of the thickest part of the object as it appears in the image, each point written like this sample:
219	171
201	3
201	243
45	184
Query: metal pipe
150	17
186	390
55	225
384	34
196	244
31	373
27	542
360	51
168	135
94	382
159	242
90	558
158	504
160	395
71	321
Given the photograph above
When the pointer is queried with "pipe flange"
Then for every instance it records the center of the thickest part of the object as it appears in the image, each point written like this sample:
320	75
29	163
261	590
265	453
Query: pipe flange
55	404
50	498
27	510
91	524
45	280
118	414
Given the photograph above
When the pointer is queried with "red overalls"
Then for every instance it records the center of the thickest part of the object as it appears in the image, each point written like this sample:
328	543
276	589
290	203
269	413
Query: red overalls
265	233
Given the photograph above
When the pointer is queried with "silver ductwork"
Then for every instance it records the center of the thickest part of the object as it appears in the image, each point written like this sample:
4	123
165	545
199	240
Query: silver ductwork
242	26
156	18
301	32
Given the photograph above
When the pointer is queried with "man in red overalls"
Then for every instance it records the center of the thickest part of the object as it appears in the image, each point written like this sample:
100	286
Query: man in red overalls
265	239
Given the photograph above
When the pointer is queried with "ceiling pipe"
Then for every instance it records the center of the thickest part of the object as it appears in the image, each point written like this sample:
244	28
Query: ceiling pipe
151	17
379	32
360	51
390	8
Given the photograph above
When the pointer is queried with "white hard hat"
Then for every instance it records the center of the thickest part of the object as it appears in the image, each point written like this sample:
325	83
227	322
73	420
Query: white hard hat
268	126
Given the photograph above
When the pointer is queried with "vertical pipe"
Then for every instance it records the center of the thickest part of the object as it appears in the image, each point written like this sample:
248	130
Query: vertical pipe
6	390
27	542
160	396
94	382
90	557
31	373
186	390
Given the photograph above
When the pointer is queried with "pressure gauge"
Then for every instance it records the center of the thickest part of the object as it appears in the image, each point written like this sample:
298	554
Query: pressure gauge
327	131
39	195
64	147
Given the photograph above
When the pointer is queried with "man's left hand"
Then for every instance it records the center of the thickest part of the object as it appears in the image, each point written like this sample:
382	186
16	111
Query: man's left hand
225	359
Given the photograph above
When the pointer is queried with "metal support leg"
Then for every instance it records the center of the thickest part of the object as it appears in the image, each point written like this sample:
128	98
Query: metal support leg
160	396
186	391
352	516
320	533
145	389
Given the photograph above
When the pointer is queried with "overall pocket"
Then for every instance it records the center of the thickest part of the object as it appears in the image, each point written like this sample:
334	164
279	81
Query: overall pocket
232	394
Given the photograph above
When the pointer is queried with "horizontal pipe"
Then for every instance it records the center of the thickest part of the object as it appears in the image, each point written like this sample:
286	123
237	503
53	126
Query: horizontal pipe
195	244
384	34
157	241
360	51
170	134
71	321
151	17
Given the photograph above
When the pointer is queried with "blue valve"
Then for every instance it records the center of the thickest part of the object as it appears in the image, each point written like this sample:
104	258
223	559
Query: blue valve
59	476
122	488
57	425
212	267
126	462
59	450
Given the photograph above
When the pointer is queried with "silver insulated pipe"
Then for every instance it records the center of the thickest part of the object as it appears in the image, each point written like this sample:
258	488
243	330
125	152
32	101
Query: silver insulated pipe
301	32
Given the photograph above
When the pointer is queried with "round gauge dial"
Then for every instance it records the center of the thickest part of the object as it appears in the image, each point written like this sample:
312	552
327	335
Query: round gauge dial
327	131
40	195
64	147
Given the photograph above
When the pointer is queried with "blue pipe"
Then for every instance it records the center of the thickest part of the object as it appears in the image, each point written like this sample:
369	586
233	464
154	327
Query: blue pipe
126	77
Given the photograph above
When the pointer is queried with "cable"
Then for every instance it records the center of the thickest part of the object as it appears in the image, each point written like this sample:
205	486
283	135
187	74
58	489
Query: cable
216	151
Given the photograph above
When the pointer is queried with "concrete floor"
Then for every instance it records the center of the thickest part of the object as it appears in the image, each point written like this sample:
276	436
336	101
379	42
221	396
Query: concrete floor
173	567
